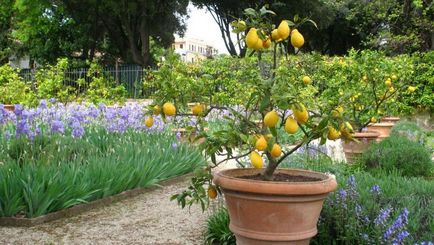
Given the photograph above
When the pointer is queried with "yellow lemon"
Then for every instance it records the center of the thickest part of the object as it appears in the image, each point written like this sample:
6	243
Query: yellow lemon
307	80
347	130
283	30
411	89
394	77
197	109
301	115
149	122
333	134
169	109
391	89
266	43
212	192
271	119
340	109
365	78
256	160
297	40
157	110
275	35
388	82
373	120
276	151
291	126
252	38
261	144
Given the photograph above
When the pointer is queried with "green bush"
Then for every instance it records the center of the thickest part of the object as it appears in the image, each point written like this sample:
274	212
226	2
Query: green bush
399	154
217	228
52	172
13	89
356	212
410	130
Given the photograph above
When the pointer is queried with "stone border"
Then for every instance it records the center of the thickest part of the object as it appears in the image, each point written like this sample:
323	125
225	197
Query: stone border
81	208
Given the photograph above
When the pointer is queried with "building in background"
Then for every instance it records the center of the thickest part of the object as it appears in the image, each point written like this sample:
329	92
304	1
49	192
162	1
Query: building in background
192	50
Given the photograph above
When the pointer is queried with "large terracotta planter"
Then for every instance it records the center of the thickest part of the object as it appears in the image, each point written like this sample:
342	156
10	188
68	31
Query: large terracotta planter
393	120
271	212
10	107
383	128
353	149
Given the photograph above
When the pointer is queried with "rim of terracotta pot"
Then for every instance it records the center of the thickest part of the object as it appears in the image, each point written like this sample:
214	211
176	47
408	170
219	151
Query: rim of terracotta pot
366	134
381	124
229	179
395	119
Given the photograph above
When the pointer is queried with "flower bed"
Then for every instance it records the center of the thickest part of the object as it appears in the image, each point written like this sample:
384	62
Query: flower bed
55	157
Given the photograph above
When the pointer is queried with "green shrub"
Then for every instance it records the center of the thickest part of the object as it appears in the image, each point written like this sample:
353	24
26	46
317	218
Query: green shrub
399	154
13	89
217	228
356	212
410	130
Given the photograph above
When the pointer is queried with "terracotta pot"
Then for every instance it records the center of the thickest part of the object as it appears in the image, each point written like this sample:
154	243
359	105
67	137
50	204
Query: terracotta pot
271	212
383	128
10	107
354	149
390	120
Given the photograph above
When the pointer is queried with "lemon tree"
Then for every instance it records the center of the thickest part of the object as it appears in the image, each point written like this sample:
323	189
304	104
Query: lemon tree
281	103
366	85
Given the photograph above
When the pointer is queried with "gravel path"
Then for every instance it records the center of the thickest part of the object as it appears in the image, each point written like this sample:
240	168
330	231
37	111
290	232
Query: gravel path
150	218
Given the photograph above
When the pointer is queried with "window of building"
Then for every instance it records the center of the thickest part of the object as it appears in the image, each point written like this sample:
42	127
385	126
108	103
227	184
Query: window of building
181	46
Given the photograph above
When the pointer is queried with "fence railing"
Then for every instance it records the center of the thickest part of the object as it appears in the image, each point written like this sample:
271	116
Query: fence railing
130	76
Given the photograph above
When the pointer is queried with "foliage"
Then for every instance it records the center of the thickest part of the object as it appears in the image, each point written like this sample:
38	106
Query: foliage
50	82
410	130
399	154
6	14
63	156
217	228
366	85
13	89
392	25
423	78
377	210
49	29
102	88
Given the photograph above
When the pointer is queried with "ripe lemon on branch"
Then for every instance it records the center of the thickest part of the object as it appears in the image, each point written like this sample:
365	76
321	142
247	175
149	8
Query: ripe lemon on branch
169	109
271	119
256	160
301	115
297	40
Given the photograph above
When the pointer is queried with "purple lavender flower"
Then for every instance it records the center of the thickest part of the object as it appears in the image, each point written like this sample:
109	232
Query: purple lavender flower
43	104
342	197
178	135
365	237
52	100
376	190
382	216
77	132
57	126
398	225
174	146
18	110
400	237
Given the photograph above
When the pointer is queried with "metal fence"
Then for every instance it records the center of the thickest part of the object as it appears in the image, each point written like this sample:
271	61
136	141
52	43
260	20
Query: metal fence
130	76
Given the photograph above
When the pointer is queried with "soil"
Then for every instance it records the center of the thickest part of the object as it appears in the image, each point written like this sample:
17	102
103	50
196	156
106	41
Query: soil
150	218
281	177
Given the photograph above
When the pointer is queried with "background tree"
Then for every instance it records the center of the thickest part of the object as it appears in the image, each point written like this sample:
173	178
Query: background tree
48	29
397	26
6	13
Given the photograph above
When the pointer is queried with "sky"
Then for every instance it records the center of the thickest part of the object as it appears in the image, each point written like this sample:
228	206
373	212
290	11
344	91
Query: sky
201	25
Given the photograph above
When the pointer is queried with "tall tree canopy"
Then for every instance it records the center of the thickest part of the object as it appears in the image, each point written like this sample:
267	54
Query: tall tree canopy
393	25
6	13
114	29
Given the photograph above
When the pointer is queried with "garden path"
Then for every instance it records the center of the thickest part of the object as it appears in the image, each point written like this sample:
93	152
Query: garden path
150	218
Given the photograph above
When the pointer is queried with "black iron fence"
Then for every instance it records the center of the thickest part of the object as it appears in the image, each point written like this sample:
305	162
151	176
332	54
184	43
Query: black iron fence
130	76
